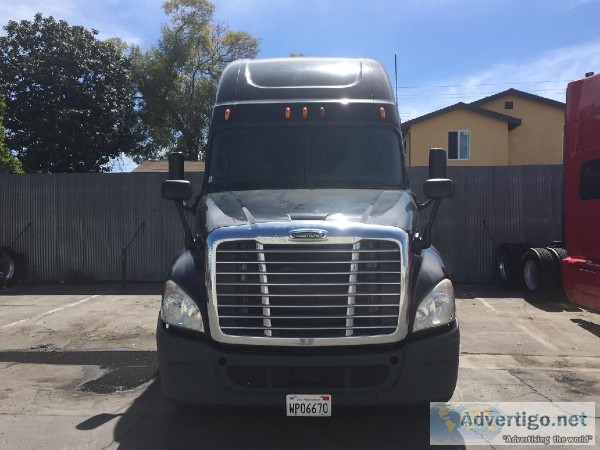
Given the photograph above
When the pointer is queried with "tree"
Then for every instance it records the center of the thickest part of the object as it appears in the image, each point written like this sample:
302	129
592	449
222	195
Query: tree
69	96
8	162
178	77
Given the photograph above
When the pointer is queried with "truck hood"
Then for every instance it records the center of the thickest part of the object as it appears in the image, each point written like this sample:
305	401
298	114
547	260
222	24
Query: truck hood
369	206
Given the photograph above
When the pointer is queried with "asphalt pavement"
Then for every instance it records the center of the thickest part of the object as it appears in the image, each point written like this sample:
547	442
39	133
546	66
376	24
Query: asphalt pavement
78	370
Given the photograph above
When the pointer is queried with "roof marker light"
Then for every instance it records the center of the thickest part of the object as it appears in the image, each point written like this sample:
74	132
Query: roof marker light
227	113
322	112
304	112
382	112
288	112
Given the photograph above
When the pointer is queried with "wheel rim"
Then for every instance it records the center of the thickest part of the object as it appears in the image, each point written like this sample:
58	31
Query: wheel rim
7	267
530	275
502	269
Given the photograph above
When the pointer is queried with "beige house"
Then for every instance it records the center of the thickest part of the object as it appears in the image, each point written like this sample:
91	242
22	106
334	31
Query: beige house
163	166
510	128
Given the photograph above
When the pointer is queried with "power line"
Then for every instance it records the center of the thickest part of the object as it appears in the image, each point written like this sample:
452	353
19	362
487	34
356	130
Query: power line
482	84
466	94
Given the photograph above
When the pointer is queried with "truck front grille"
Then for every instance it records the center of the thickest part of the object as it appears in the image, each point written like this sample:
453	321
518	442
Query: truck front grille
308	290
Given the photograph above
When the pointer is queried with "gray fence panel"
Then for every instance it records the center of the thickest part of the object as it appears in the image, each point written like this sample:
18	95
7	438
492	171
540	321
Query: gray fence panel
518	204
81	222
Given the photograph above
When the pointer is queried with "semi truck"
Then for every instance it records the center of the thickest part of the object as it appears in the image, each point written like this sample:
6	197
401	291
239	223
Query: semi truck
308	280
573	261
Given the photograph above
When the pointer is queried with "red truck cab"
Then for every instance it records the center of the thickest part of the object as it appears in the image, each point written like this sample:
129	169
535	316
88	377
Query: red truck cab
581	268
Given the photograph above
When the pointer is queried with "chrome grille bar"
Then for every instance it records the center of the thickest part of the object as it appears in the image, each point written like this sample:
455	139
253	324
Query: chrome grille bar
387	294
307	251
351	283
264	288
357	272
356	305
304	328
352	289
316	262
358	316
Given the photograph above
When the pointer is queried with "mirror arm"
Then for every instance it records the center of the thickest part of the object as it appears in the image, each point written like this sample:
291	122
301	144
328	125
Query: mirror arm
189	238
188	208
424	205
194	206
424	241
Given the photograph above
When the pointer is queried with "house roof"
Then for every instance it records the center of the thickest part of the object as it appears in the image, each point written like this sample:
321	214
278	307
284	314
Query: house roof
513	122
163	166
516	92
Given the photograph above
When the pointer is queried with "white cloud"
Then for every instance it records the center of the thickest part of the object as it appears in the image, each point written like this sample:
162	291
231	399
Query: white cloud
546	75
112	18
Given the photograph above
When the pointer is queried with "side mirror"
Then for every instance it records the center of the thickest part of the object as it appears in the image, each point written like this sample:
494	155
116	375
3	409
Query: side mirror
179	189
438	188
437	163
176	189
176	168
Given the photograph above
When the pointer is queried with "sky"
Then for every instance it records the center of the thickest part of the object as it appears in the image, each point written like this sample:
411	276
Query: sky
447	50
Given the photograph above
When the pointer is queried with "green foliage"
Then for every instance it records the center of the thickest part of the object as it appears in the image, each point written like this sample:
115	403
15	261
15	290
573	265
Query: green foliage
178	78
8	162
69	96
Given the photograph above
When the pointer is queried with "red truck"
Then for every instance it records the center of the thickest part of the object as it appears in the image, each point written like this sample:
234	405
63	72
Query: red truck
575	261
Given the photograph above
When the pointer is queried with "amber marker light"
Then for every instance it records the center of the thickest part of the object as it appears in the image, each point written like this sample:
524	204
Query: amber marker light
227	113
322	112
382	112
304	112
288	112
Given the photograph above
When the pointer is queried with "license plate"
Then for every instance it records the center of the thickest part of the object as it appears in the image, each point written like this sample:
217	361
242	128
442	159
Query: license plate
308	405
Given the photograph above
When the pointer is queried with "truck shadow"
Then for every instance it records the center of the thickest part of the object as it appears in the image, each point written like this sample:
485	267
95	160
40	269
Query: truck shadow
151	422
592	327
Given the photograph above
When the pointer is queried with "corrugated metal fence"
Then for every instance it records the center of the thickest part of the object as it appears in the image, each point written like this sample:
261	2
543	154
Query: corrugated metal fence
518	204
81	222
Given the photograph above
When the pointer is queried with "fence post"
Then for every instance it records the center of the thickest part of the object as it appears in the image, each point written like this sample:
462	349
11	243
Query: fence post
124	258
124	269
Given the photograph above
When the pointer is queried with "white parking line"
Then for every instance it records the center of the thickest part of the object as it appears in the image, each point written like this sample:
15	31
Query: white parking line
487	305
39	316
541	340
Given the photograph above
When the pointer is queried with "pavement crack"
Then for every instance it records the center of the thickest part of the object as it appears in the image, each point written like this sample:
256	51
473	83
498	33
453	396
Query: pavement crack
9	365
523	395
514	374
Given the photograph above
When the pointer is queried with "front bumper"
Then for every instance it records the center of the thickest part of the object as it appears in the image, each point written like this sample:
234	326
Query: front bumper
419	369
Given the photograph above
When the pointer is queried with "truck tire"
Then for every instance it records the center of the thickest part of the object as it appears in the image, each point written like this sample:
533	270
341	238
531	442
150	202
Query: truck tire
508	264
558	254
525	246
540	274
550	271
8	266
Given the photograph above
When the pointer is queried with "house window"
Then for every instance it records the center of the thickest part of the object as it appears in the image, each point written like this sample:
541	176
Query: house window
459	144
589	180
509	105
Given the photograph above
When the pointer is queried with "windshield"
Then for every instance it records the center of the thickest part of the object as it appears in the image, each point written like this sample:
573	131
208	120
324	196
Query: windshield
306	157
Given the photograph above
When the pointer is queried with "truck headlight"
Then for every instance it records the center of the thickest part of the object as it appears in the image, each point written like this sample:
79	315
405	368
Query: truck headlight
179	309
437	307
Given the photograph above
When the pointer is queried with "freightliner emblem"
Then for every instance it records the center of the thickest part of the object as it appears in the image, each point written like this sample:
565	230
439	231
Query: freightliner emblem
308	234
